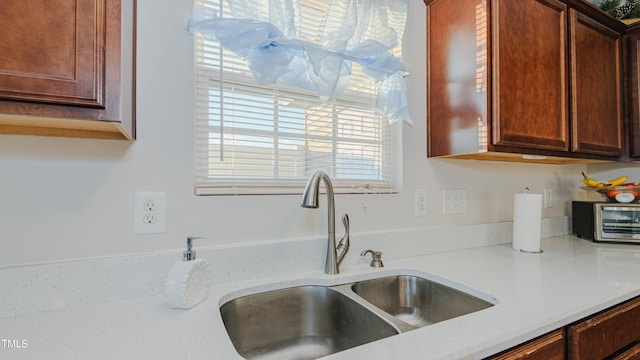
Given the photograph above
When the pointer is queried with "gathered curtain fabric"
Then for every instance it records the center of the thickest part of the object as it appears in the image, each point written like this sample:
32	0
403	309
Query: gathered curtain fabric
274	38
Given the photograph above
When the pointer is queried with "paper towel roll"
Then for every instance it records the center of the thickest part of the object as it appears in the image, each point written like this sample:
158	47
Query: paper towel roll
527	221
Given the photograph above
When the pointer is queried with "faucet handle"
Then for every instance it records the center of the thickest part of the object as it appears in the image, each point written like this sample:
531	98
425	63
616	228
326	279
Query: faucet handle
376	258
343	245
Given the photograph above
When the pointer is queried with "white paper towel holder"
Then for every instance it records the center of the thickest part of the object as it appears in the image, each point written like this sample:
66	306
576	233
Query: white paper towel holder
526	190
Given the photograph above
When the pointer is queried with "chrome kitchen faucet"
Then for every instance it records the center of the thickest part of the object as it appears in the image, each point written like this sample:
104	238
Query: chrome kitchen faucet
310	200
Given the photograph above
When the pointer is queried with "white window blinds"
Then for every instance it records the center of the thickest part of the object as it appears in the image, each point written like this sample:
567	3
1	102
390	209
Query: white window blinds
254	138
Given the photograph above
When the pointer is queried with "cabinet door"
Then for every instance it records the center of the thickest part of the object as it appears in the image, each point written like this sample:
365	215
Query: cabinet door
605	334
53	56
633	353
67	68
596	87
634	87
547	347
530	88
457	95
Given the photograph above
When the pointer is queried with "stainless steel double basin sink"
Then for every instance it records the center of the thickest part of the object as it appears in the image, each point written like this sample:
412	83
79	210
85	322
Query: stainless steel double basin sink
307	322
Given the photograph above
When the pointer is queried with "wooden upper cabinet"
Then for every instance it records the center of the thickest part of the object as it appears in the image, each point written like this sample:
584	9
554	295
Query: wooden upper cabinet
634	91
457	76
530	92
509	79
67	68
596	102
53	56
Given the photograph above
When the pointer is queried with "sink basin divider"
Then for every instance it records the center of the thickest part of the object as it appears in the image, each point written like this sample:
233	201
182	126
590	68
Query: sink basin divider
346	290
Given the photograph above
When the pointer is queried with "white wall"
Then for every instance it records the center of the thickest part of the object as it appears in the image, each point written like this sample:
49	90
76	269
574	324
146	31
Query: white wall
71	198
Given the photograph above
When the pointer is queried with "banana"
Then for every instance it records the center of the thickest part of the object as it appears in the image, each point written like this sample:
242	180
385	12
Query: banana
590	182
593	183
617	181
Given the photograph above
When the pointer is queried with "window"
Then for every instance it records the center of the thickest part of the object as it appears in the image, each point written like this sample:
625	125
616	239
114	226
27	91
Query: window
268	139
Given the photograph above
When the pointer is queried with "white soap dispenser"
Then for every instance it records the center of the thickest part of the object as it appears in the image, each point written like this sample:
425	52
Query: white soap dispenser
188	281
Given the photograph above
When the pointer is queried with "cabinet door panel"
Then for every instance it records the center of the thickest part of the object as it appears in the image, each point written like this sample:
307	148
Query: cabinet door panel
53	56
530	93
457	77
46	100
632	353
547	347
634	126
596	101
605	334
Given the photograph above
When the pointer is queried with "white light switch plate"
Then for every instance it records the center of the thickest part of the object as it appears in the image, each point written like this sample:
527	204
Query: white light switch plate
420	202
454	201
548	198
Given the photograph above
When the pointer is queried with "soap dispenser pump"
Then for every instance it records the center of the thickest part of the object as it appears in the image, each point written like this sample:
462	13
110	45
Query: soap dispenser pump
189	280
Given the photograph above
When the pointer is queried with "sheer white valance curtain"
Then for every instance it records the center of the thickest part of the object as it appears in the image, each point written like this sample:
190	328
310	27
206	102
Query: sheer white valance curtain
278	46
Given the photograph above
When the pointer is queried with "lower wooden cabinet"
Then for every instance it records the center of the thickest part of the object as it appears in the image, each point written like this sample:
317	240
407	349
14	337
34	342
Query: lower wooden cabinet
613	334
633	353
605	334
547	347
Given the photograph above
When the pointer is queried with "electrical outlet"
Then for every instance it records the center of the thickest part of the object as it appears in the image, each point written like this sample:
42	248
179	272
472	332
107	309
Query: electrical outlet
454	201
548	198
149	205
420	203
149	219
149	209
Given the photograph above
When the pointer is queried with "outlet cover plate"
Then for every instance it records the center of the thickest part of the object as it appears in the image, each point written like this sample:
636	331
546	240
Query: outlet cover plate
548	198
454	201
420	202
149	212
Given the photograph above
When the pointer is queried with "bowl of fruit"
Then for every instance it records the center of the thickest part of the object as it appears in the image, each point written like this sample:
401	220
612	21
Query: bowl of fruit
616	190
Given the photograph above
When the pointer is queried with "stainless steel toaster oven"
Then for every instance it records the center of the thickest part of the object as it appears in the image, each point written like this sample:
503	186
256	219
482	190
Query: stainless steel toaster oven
606	222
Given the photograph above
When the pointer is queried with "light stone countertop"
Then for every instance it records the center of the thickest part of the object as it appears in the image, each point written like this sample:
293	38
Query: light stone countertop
534	294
